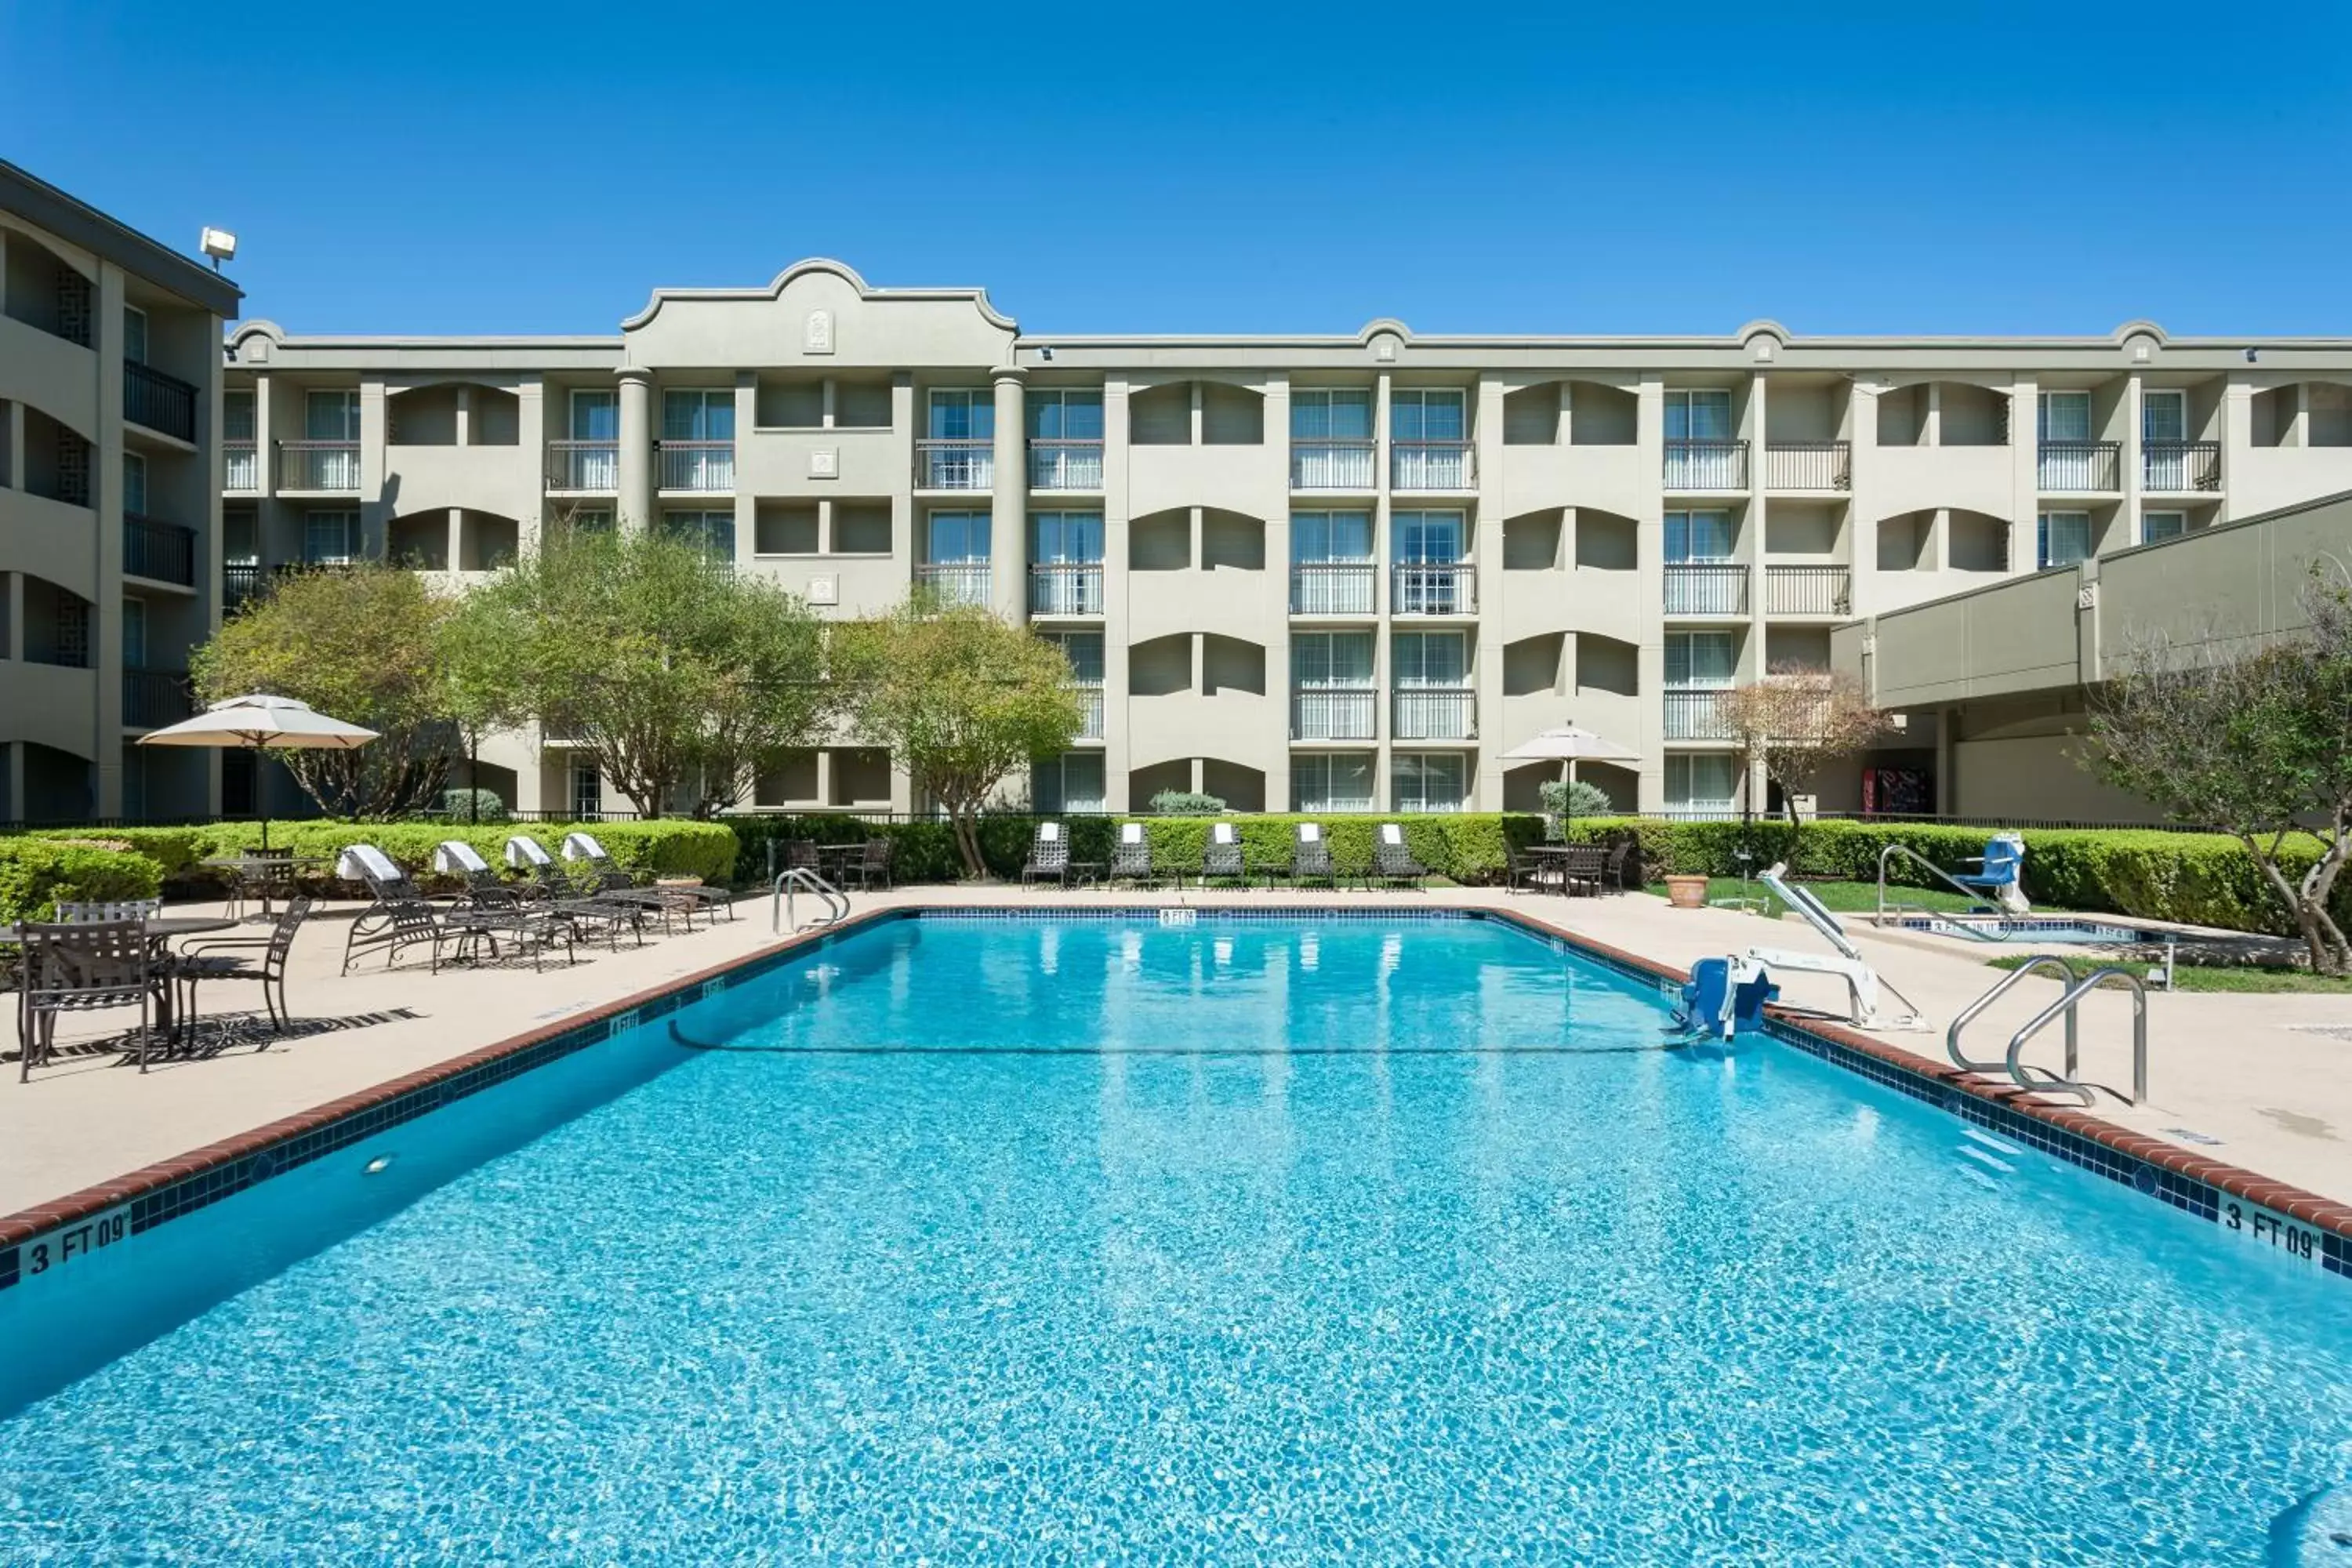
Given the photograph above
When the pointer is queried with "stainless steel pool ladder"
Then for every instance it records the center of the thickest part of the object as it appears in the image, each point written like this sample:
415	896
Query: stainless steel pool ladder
2039	1079
1974	897
800	878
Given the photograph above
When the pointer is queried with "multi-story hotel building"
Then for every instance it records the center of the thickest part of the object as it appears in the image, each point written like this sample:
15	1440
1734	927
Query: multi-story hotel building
1322	572
110	507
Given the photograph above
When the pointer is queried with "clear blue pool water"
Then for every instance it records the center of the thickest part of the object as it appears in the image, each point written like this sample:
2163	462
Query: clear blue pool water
994	1241
2030	928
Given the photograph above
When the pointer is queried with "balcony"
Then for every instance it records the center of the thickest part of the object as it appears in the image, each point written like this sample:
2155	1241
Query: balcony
590	466
1433	589
1331	465
1431	465
1808	466
1090	721
161	403
706	468
1436	713
159	551
330	466
1691	716
154	697
955	583
957	465
1066	588
1808	589
1332	713
1707	464
1331	587
1708	588
2180	466
1065	466
2072	466
240	467
240	581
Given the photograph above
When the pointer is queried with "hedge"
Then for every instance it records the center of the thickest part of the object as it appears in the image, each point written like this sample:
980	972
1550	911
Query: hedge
2196	879
1466	846
35	873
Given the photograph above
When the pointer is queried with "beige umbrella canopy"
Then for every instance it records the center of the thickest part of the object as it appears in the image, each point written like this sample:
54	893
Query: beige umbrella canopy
1568	746
258	724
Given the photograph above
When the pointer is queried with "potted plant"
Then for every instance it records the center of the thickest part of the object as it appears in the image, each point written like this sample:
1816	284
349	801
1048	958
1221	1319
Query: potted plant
1686	890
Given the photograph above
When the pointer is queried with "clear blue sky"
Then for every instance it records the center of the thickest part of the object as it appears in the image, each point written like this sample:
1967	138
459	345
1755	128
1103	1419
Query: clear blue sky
1155	168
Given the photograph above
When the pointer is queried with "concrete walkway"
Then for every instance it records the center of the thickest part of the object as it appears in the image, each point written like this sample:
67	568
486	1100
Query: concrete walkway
2248	1079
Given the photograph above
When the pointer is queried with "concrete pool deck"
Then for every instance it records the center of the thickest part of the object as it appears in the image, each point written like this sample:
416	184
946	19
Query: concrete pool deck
2251	1080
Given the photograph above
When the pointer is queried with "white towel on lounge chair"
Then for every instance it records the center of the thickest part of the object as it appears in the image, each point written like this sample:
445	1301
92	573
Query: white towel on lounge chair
1049	833
366	863
524	850
1130	833
583	847
1310	832
1221	832
456	855
1393	833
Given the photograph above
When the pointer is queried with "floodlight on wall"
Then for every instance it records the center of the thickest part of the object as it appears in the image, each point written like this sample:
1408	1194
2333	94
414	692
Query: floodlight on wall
218	244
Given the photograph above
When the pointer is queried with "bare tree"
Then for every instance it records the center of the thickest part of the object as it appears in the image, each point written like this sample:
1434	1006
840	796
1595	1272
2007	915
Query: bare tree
1798	721
2254	741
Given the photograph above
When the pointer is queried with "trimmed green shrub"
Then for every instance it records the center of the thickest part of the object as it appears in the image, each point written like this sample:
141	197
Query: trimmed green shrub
470	805
1184	803
1572	797
35	872
175	849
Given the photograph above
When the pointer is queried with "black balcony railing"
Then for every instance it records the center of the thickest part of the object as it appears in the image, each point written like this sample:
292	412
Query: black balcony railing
1436	713
1332	713
240	467
154	697
1331	465
159	551
955	582
2094	466
1707	464
1331	587
699	467
1066	464
1808	589
1432	466
1433	589
160	402
1706	588
240	581
1692	716
329	466
1066	588
1808	465
2180	465
964	463
1090	722
592	466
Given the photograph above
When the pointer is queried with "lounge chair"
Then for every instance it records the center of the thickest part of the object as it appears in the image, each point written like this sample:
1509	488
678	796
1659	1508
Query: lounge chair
77	967
1310	856
231	958
486	890
1049	856
611	877
1130	858
1221	855
545	881
402	917
1392	862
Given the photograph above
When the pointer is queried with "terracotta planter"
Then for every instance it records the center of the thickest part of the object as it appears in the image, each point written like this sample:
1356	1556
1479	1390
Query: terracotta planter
1686	892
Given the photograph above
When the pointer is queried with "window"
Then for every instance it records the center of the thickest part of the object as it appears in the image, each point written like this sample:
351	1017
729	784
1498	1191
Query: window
713	532
589	518
1702	781
958	538
1429	658
331	415
134	634
1331	659
1071	781
1331	536
1324	415
135	334
1702	661
1060	415
1429	781
240	469
1065	432
1421	415
330	538
1695	415
2064	416
2156	525
134	484
236	417
1331	781
587	790
2164	415
1697	536
1071	537
696	415
965	415
1085	652
71	640
1427	536
239	782
2065	538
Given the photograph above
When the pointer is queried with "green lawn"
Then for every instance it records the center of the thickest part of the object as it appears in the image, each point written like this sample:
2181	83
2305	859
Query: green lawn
2208	977
1844	898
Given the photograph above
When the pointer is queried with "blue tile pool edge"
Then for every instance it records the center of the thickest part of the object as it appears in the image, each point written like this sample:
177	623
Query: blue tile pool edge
2284	1220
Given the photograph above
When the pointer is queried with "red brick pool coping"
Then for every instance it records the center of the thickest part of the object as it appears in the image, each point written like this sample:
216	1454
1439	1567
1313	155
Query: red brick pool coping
2311	1209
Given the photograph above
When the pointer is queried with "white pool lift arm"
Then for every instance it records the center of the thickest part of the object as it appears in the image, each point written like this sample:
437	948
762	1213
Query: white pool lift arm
1863	982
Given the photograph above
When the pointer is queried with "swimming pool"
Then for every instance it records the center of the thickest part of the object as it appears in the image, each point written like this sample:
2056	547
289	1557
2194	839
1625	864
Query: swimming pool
2062	931
1335	1239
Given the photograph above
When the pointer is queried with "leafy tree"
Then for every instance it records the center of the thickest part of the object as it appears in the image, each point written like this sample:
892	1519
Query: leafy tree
678	677
360	643
1799	722
2255	742
962	699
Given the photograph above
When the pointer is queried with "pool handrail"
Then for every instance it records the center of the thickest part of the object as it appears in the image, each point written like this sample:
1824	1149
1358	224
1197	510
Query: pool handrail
1967	1015
2066	1004
801	878
1976	900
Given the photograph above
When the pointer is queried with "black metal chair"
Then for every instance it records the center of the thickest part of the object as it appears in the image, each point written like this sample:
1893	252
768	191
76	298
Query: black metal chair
1613	874
78	966
1392	862
872	866
227	958
1536	873
1580	869
1049	856
1221	856
1310	856
611	879
546	883
1130	858
401	918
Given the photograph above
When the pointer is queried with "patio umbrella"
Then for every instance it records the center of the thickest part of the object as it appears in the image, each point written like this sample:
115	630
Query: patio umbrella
260	722
1568	746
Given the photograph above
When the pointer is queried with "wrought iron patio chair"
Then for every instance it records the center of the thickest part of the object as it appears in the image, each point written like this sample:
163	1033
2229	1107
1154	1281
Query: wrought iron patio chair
78	966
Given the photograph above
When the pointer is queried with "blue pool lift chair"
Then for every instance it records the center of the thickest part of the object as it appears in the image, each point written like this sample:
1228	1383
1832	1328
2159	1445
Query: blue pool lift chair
2001	879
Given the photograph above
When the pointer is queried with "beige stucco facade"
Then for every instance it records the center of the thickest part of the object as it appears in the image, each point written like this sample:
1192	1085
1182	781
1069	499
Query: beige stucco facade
2001	675
109	508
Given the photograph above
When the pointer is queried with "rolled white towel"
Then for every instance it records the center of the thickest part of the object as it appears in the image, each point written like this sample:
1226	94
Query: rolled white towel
583	847
366	863
456	855
524	850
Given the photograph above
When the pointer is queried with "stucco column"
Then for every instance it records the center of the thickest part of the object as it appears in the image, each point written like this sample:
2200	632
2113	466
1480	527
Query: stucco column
1650	577
1486	552
1116	545
106	501
2125	531
2026	484
14	434
1008	522
636	453
456	546
2237	445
